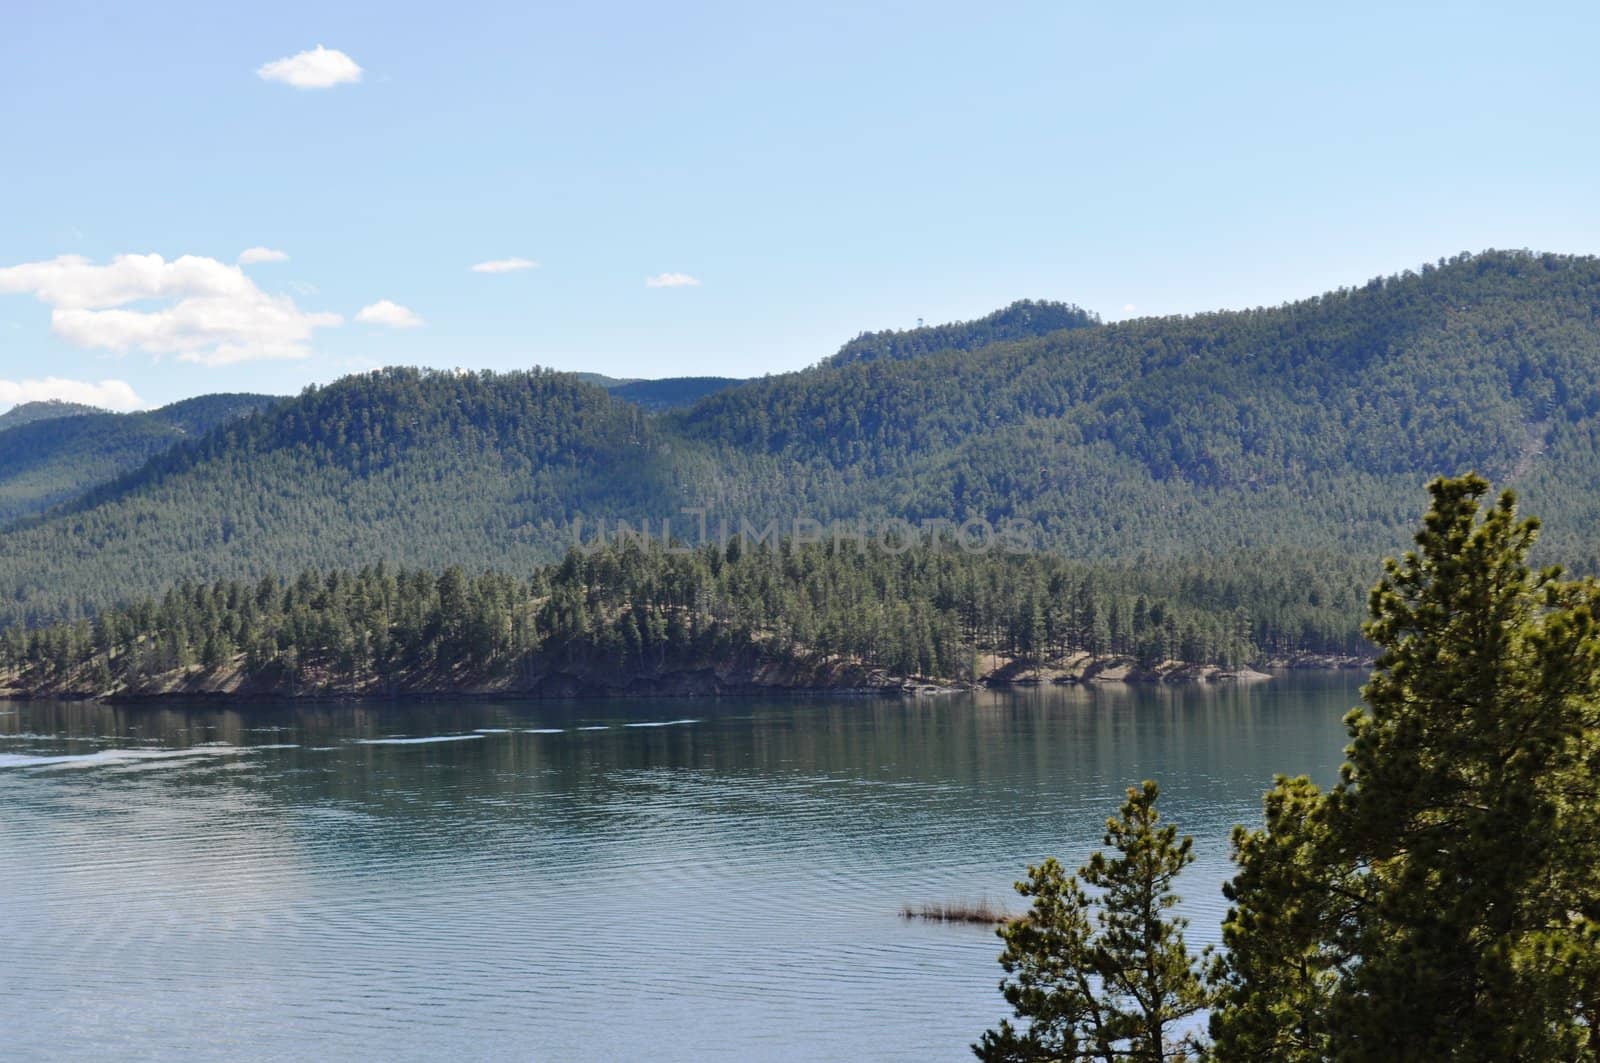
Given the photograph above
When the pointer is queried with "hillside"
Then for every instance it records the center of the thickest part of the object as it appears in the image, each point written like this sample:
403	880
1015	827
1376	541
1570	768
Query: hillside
1313	423
50	457
1296	436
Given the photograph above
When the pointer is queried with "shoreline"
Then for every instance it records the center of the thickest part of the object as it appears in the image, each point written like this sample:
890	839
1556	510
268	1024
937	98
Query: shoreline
702	684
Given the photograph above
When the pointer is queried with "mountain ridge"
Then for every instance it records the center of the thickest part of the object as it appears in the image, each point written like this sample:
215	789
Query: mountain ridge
1022	319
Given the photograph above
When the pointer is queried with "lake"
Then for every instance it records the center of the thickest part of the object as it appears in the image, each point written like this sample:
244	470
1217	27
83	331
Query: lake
600	880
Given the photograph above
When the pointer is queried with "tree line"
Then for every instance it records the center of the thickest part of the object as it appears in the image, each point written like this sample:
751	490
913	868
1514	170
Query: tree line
643	609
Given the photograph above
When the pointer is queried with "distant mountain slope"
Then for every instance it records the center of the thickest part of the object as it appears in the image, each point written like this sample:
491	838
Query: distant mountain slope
672	393
1305	430
29	412
49	459
1023	319
666	393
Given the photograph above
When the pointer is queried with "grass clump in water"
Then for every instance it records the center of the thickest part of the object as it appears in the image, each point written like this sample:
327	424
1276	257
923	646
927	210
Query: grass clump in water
984	912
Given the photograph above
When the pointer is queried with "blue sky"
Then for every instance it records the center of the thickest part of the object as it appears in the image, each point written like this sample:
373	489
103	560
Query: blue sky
818	170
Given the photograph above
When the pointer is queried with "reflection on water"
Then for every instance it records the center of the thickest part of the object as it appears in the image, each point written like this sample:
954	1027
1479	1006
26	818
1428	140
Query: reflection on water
665	879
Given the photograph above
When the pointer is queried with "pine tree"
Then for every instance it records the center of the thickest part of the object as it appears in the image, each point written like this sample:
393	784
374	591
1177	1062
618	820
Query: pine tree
1277	973
1053	963
1115	988
1443	900
1145	965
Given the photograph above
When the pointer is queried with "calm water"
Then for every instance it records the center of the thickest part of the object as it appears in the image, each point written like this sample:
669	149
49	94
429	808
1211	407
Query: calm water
596	880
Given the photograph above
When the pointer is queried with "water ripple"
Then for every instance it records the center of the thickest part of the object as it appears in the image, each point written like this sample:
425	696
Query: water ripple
640	888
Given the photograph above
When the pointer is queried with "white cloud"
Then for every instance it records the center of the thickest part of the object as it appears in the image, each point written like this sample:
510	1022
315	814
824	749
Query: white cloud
1129	308
107	394
504	265
251	255
672	280
320	68
215	314
384	312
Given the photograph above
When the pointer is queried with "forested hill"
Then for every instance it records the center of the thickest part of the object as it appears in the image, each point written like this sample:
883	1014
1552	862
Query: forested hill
422	468
1021	320
28	412
1296	436
55	452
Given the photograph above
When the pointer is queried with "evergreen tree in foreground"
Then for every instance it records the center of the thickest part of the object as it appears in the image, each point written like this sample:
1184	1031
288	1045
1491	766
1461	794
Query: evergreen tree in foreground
1110	987
1443	900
